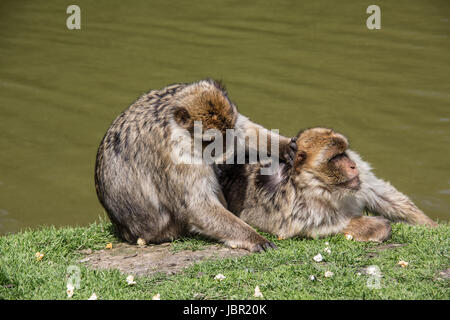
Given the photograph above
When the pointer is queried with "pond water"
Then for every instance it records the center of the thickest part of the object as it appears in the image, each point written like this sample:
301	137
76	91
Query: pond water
286	64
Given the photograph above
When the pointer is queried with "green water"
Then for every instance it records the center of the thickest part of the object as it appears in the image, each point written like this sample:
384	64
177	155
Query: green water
286	64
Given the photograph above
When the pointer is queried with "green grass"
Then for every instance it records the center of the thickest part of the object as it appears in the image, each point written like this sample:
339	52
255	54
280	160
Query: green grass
280	274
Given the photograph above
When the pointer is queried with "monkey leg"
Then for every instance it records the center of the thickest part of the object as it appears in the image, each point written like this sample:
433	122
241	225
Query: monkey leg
216	222
382	198
222	199
390	203
366	228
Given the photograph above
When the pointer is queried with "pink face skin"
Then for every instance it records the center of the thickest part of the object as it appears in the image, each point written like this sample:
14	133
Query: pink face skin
348	169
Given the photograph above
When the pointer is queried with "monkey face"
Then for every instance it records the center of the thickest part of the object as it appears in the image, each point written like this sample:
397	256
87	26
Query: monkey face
322	153
342	172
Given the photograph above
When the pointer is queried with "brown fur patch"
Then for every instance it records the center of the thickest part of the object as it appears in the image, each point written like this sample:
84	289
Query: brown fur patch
300	159
366	228
320	145
210	105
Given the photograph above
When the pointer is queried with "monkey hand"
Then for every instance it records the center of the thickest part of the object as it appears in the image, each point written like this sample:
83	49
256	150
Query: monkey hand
288	151
263	246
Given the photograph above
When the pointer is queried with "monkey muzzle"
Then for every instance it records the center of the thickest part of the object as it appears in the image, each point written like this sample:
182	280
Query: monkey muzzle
353	183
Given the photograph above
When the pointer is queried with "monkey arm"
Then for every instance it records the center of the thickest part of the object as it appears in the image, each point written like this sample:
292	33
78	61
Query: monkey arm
259	138
380	197
214	221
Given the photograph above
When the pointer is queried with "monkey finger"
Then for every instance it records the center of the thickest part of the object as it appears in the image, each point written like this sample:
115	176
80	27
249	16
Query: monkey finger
269	245
291	150
288	157
292	156
293	143
266	246
257	248
273	245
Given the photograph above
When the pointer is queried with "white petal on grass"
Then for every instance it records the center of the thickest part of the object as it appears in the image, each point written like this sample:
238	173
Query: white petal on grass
328	274
156	297
327	250
258	293
348	237
130	280
219	277
141	242
318	258
312	278
69	290
93	297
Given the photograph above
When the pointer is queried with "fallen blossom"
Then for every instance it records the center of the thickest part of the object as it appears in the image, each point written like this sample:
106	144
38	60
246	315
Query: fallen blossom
328	274
130	280
258	293
219	277
327	243
327	250
39	256
318	258
312	278
348	237
156	297
108	246
69	290
402	264
93	297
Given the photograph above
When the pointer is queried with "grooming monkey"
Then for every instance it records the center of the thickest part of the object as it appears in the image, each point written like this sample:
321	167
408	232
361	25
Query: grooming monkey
148	194
325	192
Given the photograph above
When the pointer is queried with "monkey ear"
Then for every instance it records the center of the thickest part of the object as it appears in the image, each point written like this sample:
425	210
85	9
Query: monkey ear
300	159
183	118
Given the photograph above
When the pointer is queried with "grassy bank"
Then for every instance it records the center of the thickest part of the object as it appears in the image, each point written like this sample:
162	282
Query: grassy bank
280	274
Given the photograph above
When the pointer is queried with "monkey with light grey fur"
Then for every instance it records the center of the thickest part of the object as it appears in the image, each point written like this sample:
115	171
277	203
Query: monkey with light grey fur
147	194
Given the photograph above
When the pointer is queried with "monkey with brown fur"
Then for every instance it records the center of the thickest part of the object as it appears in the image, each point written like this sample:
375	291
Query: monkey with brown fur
148	193
325	192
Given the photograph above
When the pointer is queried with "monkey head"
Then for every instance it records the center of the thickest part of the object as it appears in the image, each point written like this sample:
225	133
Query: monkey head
322	157
206	102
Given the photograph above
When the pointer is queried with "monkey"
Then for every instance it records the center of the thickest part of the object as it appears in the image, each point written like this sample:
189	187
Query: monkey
149	193
324	192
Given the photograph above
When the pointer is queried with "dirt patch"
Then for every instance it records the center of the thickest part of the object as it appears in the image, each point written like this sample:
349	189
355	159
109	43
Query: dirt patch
148	260
373	252
444	274
389	246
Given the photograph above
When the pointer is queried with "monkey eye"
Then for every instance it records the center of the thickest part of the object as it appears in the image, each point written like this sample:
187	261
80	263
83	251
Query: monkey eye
337	156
